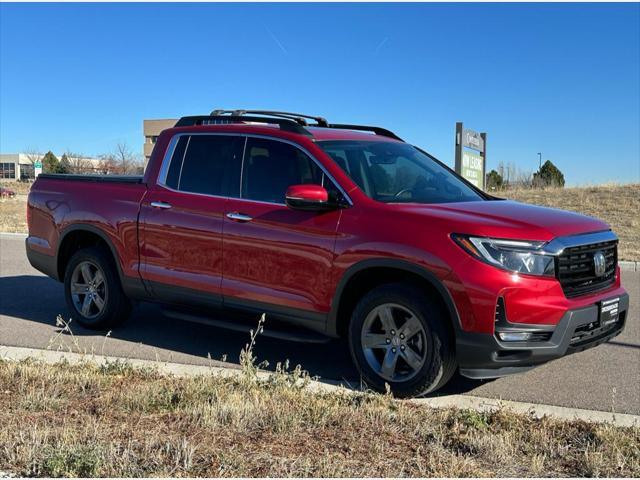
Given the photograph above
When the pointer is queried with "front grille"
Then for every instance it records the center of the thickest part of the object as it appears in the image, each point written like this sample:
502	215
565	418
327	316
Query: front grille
576	268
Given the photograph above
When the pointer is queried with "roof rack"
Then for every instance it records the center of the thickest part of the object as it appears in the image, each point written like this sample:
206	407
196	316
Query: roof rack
298	117
287	121
287	125
364	128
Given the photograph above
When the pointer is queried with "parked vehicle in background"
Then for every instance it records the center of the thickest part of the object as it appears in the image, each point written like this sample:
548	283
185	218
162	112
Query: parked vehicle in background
6	193
343	230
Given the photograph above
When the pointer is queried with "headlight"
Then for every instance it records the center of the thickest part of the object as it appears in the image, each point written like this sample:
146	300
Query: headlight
513	255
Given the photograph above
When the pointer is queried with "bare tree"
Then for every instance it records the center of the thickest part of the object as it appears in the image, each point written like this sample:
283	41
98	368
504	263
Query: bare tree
503	173
524	178
77	162
122	161
33	155
108	164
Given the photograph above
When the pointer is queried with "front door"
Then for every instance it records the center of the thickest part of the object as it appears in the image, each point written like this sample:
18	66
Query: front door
182	217
274	258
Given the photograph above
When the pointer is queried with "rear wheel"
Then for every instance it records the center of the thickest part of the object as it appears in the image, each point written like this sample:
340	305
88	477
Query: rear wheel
93	291
398	336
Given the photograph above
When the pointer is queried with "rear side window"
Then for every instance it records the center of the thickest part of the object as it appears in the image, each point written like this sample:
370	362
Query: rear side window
211	165
270	167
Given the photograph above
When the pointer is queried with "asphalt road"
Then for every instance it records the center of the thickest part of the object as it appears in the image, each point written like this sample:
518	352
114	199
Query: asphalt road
604	378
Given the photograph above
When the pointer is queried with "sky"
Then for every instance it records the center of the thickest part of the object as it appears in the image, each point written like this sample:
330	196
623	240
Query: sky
560	79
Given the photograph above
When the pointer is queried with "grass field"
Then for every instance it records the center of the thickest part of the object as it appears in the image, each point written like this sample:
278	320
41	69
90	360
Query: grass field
13	214
114	421
13	211
21	188
619	205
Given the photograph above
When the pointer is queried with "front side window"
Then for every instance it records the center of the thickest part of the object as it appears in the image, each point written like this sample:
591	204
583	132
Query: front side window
271	167
208	164
398	172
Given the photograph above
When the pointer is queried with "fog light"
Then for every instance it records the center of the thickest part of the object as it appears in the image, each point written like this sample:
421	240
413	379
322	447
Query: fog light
514	336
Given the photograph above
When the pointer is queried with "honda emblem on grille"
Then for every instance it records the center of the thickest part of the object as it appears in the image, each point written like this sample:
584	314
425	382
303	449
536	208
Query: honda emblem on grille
599	264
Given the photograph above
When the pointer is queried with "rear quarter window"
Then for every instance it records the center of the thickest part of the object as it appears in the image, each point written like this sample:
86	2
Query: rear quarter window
173	173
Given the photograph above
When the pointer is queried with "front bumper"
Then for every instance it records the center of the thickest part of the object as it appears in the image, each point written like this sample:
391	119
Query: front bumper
482	355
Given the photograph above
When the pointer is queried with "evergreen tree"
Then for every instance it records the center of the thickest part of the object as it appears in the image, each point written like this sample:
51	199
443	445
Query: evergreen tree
494	180
50	163
548	176
65	165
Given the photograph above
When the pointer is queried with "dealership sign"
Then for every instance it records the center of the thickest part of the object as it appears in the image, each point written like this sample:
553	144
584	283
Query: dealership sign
473	168
471	155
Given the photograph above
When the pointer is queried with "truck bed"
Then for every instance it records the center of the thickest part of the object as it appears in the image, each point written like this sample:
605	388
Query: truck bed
106	205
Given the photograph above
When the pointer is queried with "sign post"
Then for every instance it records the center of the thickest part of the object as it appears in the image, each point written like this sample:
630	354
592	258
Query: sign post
471	155
37	168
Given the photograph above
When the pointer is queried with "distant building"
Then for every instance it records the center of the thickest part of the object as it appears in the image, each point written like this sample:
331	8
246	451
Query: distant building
23	166
152	129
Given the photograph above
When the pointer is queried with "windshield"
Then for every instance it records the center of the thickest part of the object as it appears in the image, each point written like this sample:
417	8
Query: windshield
398	172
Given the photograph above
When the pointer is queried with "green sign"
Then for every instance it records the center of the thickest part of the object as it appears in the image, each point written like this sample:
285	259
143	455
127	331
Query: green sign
472	167
38	164
471	155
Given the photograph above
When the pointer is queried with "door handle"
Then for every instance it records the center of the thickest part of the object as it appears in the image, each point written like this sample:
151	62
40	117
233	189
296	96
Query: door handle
239	217
163	205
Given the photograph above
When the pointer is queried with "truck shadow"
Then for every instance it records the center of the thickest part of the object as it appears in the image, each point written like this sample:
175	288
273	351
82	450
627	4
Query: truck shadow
149	334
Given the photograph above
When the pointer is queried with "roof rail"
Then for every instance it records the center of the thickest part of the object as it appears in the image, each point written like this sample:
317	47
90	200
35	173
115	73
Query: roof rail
287	121
285	124
298	117
365	128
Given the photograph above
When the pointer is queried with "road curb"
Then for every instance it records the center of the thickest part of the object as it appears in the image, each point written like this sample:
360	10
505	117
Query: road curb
450	401
13	234
482	404
628	266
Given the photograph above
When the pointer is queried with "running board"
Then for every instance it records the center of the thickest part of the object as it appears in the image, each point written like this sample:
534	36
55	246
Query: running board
292	334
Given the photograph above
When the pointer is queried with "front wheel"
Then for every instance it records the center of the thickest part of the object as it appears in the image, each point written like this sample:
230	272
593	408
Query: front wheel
93	291
398	337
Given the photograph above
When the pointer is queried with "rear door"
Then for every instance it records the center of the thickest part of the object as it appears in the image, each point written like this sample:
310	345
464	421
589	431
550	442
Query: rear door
182	216
276	259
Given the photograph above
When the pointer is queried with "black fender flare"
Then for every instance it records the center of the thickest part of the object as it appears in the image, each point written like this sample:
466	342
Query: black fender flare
85	227
430	277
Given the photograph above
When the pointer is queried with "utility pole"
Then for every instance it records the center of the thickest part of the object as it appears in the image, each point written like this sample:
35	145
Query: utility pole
539	161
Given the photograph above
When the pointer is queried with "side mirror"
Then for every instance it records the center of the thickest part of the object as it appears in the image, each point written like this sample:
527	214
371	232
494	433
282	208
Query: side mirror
308	197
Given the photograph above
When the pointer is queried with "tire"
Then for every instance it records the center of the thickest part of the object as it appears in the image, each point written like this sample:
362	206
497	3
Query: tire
109	306
421	322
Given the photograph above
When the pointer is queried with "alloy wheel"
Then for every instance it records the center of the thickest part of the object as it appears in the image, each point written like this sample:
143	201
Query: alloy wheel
394	342
88	289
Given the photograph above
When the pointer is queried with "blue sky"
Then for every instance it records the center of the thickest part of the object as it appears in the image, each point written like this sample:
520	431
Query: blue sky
561	79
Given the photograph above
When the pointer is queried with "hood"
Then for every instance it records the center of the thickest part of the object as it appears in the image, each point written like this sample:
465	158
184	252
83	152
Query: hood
508	219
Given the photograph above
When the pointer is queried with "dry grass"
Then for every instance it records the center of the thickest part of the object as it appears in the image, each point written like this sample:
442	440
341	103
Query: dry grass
13	214
114	420
21	188
618	205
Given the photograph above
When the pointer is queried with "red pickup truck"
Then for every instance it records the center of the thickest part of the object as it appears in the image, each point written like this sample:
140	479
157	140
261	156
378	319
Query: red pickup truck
340	230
